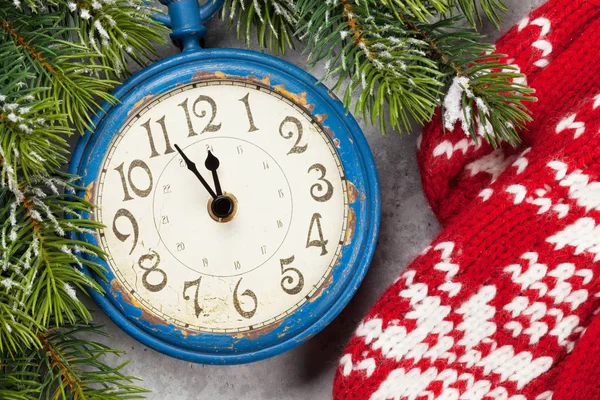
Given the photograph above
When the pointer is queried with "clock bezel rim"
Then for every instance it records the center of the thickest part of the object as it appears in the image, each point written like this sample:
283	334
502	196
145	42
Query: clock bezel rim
371	198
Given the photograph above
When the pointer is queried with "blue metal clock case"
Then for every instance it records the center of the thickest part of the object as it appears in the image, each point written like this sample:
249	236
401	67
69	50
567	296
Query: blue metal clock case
360	171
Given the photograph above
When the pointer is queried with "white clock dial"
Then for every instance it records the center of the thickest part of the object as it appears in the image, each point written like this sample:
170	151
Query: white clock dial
177	252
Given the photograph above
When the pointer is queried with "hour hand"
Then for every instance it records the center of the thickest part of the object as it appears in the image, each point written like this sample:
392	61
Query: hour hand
192	167
212	164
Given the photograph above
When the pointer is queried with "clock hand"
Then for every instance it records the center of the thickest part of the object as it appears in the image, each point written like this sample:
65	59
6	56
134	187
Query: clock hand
192	167
212	164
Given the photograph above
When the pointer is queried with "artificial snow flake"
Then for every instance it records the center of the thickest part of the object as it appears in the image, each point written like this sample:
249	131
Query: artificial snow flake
100	29
70	291
72	6
35	215
37	156
111	21
85	14
453	111
13	214
8	283
13	185
35	246
258	10
24	110
12	117
39	192
482	106
25	128
96	5
11	106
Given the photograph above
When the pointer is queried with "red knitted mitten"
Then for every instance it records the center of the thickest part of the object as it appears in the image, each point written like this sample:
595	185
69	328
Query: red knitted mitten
496	307
554	47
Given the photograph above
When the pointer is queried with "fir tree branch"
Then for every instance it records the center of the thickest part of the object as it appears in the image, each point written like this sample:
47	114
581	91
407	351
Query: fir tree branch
274	20
58	60
400	62
67	367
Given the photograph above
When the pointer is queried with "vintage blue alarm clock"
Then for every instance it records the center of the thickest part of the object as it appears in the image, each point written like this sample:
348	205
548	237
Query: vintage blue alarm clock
240	201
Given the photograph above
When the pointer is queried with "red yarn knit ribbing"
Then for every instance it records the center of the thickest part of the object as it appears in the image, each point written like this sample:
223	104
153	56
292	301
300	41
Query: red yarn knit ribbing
504	303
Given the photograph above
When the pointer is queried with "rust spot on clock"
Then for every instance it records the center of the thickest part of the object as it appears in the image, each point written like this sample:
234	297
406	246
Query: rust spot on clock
351	227
139	104
89	192
353	192
256	333
353	195
320	118
319	291
116	288
299	98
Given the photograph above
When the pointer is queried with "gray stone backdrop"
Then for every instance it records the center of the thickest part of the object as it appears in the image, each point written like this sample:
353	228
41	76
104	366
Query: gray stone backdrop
306	372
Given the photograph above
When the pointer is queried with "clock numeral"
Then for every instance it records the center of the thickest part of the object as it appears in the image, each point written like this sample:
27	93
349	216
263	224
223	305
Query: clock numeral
240	149
153	257
265	165
320	242
249	113
166	189
205	262
134	225
210	147
180	246
317	187
161	122
236	301
137	191
296	149
164	220
279	223
184	105
280	193
263	250
237	265
182	163
210	127
186	286
288	283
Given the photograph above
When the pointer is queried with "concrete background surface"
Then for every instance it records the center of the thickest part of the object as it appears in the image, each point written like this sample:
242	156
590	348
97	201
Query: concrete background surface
306	372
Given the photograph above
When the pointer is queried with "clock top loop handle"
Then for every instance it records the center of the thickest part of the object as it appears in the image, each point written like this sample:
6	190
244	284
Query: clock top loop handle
186	19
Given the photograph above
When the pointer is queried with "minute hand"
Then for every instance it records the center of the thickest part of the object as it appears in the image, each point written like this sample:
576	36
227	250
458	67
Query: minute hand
192	167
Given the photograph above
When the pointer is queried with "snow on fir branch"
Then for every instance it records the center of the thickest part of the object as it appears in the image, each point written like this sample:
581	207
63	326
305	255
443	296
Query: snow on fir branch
58	61
396	62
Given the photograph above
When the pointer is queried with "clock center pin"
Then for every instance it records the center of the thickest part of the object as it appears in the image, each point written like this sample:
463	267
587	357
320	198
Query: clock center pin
223	208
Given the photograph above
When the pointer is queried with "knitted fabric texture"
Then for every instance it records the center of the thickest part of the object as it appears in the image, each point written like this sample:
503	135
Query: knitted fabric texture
504	304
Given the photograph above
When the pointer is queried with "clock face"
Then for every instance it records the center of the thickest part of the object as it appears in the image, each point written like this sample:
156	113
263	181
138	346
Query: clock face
234	256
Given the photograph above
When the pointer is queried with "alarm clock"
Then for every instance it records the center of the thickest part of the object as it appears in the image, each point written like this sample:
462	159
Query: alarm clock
239	200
